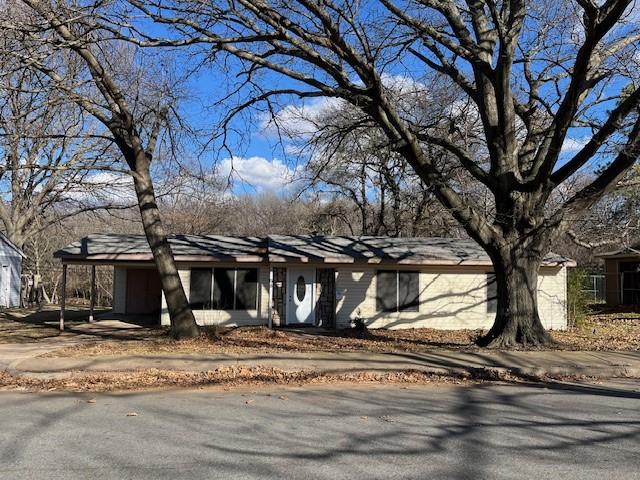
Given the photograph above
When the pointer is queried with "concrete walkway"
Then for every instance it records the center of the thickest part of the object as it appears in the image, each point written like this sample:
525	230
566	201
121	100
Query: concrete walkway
592	364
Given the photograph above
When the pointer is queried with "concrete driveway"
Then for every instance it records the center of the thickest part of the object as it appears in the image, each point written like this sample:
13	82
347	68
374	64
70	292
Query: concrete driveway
576	432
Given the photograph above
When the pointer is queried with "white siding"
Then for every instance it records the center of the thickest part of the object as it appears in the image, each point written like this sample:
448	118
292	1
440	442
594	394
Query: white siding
449	299
227	318
10	272
120	290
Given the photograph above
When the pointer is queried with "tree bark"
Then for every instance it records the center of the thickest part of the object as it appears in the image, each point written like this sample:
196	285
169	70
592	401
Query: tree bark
183	323
517	319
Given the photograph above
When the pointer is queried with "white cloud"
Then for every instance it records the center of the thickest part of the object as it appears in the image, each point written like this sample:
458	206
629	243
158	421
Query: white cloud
104	187
300	120
402	85
257	172
574	144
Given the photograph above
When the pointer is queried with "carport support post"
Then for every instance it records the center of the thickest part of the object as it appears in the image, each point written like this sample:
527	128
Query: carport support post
270	311
63	295
92	300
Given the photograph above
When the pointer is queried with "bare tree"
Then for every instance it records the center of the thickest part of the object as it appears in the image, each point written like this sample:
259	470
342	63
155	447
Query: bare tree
112	86
534	72
351	158
53	162
613	222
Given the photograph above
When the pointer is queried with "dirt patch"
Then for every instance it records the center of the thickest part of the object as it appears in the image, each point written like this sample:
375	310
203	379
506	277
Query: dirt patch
20	332
226	377
22	325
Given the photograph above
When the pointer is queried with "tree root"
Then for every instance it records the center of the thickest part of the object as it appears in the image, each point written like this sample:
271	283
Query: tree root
183	332
511	340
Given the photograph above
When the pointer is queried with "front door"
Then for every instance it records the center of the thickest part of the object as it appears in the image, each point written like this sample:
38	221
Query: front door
301	296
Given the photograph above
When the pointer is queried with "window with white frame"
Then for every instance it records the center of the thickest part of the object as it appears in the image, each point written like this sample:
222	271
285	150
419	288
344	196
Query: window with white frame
224	289
397	291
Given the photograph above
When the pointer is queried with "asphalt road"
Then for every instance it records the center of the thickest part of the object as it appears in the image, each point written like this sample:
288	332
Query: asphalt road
478	432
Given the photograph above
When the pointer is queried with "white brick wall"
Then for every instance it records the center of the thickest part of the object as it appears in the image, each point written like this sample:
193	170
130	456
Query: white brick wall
227	318
449	299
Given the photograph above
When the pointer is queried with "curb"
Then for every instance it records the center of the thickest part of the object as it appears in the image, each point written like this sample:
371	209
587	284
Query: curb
486	373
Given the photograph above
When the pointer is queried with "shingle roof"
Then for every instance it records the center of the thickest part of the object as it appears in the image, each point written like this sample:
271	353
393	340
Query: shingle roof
105	246
632	251
289	248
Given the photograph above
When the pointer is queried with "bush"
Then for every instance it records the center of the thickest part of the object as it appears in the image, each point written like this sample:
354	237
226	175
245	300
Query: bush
577	300
359	325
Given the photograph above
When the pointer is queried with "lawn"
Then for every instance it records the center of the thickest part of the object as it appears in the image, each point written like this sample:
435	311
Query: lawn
602	331
22	325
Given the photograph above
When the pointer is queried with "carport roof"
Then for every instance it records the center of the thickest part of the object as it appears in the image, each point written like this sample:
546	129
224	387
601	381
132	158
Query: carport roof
112	248
131	247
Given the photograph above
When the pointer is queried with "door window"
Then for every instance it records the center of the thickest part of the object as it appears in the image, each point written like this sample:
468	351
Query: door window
301	288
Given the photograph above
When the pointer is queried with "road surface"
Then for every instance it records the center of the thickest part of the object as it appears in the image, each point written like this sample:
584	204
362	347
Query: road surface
338	432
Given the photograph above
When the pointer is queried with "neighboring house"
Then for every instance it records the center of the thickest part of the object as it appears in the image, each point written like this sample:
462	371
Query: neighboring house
622	276
318	280
10	272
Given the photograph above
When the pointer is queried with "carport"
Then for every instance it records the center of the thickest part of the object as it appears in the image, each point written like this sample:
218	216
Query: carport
136	284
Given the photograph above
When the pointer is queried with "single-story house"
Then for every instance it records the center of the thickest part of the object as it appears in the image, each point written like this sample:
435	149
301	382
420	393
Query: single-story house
622	276
10	272
327	281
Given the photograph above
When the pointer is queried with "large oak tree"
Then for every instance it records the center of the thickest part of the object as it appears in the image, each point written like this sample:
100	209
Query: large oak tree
537	75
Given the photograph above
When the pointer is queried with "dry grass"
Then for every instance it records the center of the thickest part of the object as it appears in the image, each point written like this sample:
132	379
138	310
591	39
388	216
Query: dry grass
263	340
603	331
225	377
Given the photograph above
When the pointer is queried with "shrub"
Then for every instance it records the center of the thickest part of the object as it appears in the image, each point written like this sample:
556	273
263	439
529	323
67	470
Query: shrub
359	325
577	300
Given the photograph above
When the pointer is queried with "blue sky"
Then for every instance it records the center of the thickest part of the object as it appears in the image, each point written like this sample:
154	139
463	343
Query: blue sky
261	162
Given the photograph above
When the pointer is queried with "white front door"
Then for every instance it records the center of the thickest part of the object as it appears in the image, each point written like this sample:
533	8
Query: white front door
301	295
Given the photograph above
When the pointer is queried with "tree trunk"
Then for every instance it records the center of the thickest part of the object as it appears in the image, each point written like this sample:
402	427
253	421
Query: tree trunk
183	324
517	320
